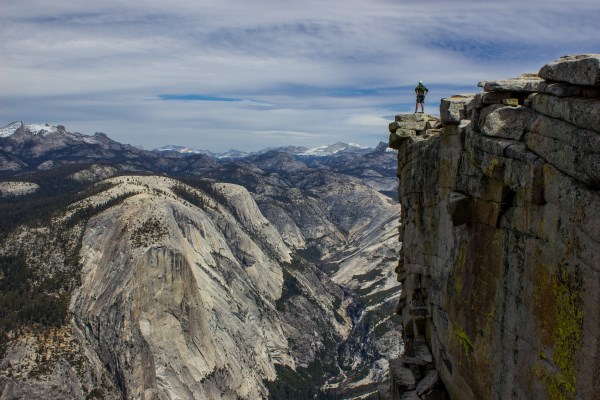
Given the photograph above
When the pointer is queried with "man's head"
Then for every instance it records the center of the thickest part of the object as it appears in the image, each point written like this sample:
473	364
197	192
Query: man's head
420	82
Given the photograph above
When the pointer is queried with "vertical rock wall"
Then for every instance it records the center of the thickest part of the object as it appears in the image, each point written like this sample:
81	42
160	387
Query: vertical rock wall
500	263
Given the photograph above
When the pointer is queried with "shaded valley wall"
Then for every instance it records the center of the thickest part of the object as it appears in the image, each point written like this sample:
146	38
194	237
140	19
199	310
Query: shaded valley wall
500	263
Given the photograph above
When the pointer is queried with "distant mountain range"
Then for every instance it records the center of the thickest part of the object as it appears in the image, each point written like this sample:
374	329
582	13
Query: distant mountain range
37	139
321	151
29	148
234	275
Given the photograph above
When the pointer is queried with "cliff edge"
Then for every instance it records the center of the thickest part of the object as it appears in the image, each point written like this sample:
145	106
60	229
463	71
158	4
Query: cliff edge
501	239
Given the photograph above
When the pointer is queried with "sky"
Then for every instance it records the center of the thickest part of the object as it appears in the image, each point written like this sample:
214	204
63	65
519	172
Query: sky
251	74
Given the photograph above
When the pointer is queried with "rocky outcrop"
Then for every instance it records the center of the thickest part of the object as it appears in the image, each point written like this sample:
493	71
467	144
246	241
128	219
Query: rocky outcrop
178	300
94	173
17	188
500	231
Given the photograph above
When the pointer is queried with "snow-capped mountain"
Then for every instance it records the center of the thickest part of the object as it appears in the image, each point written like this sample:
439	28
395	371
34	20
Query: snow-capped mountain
233	154
20	130
321	151
189	151
41	147
36	129
184	150
285	149
336	148
39	130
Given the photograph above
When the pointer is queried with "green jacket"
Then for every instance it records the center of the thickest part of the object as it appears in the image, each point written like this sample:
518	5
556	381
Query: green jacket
421	89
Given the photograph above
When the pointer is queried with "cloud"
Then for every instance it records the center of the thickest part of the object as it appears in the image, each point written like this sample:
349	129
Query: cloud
368	120
207	73
194	97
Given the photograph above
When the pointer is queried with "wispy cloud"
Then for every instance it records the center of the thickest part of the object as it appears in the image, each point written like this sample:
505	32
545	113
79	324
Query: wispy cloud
304	73
195	97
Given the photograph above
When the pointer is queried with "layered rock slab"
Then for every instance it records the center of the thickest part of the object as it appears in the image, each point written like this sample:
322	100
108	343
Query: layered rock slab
581	69
499	222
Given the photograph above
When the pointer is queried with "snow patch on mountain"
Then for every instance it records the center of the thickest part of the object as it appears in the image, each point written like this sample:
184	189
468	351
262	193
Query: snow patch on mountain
37	129
43	130
10	129
233	154
321	151
183	150
86	139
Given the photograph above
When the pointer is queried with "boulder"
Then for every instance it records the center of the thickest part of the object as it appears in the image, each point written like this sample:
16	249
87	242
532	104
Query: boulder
573	151
400	136
454	109
487	98
428	382
413	361
581	69
437	124
504	121
493	145
561	89
415	121
525	83
581	112
422	351
402	377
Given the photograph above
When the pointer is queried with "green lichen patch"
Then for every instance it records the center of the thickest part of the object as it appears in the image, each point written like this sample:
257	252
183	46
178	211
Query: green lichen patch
463	340
458	269
569	325
558	305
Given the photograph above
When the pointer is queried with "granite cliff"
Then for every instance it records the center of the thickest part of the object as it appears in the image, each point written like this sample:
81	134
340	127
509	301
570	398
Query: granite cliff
500	233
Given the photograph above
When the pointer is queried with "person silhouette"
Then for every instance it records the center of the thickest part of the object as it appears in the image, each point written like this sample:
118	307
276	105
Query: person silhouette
420	91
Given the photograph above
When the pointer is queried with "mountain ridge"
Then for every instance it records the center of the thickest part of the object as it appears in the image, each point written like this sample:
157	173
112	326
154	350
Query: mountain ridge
19	128
331	213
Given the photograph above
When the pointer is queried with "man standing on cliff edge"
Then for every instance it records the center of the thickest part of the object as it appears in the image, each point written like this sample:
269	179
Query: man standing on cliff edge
420	91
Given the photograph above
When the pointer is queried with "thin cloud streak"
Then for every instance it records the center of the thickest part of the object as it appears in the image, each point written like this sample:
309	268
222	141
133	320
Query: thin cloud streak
329	70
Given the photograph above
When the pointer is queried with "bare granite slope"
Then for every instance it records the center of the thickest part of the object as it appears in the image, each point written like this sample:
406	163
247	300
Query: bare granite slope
173	291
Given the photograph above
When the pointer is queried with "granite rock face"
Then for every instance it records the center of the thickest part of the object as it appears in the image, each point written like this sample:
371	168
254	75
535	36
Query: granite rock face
578	70
180	301
501	236
213	291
